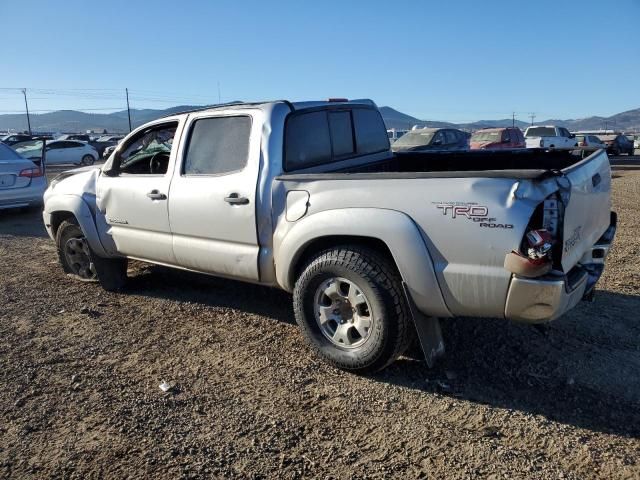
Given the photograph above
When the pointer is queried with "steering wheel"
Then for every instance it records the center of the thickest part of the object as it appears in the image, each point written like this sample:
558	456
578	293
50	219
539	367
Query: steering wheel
155	162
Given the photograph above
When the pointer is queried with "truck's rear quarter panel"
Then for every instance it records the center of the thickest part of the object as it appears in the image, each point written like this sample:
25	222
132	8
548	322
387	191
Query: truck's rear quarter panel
467	224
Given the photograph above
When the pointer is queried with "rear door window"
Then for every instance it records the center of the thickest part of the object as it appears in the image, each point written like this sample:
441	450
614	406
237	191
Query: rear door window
307	140
218	145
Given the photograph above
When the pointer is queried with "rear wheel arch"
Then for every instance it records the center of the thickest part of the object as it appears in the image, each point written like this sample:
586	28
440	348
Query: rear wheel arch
392	233
329	242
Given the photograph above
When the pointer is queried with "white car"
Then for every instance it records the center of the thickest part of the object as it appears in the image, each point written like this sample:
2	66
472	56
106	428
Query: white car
70	151
60	152
550	137
589	143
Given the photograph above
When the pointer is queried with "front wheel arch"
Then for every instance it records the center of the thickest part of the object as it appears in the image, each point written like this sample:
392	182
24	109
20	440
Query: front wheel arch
58	217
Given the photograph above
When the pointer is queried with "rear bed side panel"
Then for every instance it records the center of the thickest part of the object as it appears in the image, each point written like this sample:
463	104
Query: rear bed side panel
467	224
394	228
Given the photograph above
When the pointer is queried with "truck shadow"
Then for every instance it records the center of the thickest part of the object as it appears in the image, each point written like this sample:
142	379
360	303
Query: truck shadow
167	283
578	370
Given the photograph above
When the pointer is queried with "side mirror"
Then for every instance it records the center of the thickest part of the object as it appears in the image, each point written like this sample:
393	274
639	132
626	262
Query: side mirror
572	135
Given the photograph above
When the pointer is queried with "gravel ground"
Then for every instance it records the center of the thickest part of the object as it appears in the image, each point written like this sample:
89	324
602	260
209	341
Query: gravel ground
81	367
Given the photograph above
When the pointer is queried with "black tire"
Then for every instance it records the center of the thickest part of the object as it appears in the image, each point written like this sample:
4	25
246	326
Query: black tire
87	160
377	279
111	273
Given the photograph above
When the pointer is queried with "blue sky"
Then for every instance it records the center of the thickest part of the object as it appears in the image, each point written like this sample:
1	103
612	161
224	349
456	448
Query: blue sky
457	61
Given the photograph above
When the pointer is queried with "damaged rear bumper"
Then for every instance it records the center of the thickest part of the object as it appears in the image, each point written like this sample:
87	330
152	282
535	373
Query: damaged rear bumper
540	300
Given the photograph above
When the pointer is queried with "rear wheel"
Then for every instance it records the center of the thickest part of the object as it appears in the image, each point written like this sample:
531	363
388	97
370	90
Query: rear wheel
87	160
350	305
81	262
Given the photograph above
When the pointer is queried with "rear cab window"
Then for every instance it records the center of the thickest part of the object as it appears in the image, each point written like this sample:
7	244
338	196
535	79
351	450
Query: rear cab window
541	132
329	135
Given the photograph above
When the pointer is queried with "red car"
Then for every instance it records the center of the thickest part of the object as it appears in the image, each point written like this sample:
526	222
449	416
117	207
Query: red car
497	138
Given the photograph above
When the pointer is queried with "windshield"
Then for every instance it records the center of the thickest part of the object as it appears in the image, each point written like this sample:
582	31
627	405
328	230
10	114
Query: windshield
7	153
491	136
415	138
541	132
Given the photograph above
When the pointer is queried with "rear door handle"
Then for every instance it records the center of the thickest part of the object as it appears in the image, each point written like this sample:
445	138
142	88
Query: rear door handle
156	195
236	199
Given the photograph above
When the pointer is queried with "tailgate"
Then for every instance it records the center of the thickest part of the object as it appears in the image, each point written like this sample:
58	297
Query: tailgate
588	213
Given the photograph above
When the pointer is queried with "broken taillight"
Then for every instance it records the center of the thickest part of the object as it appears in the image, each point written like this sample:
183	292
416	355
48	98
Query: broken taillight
540	244
535	255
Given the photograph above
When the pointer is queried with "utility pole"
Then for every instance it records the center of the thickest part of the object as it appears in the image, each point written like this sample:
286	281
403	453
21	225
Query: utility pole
513	119
26	106
532	116
128	109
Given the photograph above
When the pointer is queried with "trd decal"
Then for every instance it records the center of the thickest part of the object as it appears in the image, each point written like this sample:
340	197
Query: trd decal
468	211
478	214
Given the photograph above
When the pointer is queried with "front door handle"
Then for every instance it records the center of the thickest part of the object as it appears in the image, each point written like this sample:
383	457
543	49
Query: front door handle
236	199
156	195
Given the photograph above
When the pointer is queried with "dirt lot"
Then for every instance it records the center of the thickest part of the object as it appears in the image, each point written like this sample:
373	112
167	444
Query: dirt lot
79	394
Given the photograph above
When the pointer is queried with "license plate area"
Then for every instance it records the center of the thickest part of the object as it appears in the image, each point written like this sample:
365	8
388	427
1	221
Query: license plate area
7	181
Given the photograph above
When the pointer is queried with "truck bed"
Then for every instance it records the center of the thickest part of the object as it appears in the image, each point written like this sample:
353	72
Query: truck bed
522	163
474	160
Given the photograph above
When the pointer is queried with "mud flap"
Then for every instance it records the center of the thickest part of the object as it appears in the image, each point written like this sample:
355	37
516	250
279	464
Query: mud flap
428	330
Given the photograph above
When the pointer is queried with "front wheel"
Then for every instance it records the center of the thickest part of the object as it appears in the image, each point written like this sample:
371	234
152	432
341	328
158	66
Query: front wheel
81	262
87	160
350	305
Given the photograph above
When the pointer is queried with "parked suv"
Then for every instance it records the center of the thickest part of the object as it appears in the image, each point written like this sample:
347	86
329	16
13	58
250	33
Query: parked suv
617	144
550	137
497	138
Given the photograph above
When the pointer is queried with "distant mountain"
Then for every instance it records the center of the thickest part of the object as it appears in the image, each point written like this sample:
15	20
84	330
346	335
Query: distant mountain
117	122
395	119
505	122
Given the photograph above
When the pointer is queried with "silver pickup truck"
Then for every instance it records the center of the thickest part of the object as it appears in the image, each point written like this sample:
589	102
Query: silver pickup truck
374	245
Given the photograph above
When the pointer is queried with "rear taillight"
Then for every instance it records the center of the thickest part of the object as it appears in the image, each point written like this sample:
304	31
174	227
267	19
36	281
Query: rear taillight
31	172
538	248
541	143
582	144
